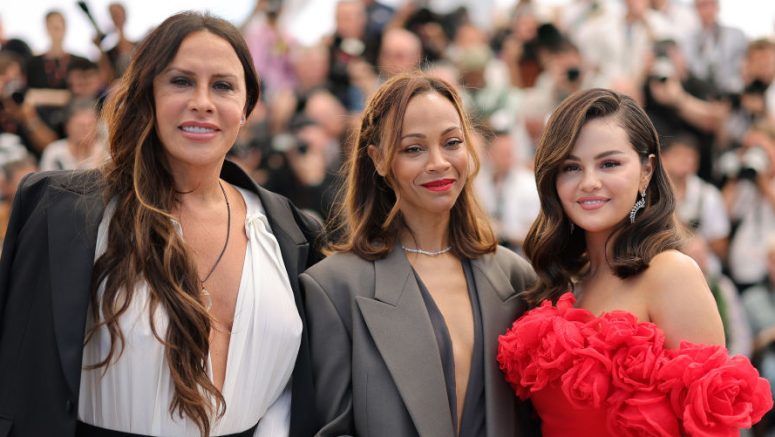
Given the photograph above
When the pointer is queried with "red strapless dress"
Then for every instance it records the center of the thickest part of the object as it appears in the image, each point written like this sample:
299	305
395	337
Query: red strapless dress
612	376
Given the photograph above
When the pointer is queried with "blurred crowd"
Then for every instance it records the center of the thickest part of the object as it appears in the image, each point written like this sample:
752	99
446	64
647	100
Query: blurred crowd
709	90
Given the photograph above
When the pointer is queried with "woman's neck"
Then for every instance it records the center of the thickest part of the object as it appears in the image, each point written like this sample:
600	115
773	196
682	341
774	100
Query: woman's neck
599	250
198	188
428	232
56	51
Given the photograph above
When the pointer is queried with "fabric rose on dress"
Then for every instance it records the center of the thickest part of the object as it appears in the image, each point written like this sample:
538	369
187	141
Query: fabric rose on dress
636	363
613	329
536	350
642	413
585	384
727	398
516	348
685	365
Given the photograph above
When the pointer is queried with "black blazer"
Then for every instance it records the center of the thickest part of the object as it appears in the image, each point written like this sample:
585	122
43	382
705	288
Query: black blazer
45	277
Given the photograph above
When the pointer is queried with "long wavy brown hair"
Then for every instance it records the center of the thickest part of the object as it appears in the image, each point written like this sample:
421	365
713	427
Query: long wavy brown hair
143	245
369	218
557	252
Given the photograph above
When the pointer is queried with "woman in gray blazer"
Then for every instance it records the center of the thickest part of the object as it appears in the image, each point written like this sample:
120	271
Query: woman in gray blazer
404	317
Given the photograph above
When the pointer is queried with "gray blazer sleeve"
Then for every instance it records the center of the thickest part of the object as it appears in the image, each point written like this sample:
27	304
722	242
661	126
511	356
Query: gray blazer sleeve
330	342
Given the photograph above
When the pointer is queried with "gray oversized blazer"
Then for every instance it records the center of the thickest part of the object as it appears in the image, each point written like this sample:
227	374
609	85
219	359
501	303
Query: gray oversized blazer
376	363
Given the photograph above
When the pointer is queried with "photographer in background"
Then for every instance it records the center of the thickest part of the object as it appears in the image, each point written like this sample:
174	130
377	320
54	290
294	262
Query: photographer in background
745	110
759	65
347	50
18	106
83	147
679	103
565	72
699	205
749	193
506	189
115	60
305	174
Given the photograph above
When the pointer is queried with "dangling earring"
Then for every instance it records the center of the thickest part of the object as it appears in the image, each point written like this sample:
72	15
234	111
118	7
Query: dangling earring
640	204
572	227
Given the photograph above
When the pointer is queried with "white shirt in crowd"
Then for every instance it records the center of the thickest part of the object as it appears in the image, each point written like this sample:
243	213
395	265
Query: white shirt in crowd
513	204
57	156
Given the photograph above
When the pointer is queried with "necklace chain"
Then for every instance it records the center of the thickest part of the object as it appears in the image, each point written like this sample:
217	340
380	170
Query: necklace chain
223	250
426	252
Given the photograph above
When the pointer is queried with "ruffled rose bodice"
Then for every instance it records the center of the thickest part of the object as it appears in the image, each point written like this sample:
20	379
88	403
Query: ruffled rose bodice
612	375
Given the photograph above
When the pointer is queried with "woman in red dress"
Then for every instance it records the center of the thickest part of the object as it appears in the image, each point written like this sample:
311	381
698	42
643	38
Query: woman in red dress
625	338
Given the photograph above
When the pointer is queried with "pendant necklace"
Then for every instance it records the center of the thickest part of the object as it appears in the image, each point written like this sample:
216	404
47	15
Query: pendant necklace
207	300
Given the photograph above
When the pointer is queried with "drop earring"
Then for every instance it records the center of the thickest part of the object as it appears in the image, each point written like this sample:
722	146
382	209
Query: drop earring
640	204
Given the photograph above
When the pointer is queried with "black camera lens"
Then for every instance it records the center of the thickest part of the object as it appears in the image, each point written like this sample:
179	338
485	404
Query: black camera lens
18	96
573	74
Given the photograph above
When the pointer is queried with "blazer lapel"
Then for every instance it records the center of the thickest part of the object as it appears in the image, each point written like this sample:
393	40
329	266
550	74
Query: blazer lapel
401	328
498	304
293	244
73	219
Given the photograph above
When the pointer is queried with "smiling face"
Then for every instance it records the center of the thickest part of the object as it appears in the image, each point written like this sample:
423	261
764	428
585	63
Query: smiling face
599	181
430	166
200	101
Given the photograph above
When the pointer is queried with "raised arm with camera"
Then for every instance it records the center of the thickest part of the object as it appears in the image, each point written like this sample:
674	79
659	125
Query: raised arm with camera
666	79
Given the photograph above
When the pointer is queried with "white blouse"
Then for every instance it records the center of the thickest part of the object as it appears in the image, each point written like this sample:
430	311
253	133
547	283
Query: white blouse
134	393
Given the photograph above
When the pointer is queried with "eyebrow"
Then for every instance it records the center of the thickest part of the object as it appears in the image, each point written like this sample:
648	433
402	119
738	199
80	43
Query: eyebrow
191	73
598	156
419	135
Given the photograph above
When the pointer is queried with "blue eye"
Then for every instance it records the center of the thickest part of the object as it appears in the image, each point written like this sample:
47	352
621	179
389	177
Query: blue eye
180	81
224	86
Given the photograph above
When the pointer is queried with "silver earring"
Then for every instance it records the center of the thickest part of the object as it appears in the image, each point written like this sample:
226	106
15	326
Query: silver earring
640	204
572	227
242	121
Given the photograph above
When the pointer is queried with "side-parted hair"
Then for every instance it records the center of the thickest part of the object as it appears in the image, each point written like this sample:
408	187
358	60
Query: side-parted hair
369	217
143	244
557	252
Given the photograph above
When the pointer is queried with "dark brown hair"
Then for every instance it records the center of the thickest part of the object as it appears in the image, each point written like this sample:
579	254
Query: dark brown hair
557	252
369	217
143	245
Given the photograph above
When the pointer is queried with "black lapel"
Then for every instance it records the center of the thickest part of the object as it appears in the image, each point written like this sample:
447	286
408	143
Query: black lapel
74	213
293	244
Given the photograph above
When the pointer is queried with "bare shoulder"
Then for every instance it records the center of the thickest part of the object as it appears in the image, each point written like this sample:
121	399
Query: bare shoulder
671	266
679	300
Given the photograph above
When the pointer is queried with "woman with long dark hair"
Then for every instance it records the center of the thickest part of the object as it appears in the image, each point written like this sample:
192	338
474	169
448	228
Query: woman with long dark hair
626	338
404	316
158	296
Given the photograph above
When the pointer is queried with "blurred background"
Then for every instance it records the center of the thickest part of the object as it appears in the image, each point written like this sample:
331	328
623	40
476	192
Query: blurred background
703	70
306	20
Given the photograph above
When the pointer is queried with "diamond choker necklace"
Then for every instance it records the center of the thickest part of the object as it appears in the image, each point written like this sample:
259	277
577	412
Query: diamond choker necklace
426	252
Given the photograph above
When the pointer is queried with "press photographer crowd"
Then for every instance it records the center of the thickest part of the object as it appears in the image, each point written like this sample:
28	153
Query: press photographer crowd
708	88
